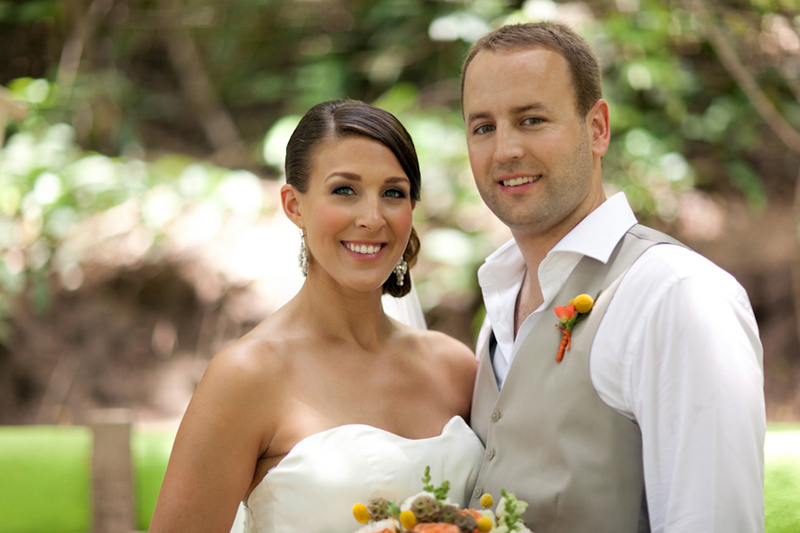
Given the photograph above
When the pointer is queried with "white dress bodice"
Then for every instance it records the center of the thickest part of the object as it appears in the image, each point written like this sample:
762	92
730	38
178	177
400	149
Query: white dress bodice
313	489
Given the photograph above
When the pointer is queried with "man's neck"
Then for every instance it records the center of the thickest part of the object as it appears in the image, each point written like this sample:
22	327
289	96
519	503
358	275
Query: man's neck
530	297
534	247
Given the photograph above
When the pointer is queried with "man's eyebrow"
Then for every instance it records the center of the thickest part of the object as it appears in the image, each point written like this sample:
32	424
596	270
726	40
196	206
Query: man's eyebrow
536	106
482	115
478	116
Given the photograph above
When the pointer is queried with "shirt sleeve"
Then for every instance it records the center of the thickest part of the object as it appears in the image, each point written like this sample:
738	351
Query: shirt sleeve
696	391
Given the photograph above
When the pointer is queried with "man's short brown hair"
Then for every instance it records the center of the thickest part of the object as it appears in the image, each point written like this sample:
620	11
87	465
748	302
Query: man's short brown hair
583	65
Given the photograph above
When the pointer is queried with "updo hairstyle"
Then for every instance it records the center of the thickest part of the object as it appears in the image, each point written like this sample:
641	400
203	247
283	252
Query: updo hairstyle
339	119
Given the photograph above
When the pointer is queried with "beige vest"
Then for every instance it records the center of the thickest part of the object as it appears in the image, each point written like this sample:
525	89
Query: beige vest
549	437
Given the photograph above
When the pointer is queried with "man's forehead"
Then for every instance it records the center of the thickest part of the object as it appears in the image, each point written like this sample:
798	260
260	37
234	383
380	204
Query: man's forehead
487	74
529	57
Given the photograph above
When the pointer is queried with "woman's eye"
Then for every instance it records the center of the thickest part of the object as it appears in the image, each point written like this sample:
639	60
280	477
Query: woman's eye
395	193
344	190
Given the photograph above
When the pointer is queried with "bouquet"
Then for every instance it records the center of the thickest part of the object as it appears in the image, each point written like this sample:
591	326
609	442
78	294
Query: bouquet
430	511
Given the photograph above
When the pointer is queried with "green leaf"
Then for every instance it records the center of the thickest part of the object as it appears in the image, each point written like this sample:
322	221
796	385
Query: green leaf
393	510
426	480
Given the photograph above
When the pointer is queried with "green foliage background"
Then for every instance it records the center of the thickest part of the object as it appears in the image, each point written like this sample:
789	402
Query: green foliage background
144	109
132	100
140	110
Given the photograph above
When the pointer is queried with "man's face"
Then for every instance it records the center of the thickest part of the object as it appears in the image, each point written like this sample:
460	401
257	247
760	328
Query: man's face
535	160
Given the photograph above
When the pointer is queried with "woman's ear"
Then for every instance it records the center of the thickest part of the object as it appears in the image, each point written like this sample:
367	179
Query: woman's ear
290	200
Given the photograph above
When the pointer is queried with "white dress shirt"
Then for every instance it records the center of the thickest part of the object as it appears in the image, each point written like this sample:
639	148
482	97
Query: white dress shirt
677	351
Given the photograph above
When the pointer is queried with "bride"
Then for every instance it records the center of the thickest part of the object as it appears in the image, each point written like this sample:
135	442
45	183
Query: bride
329	402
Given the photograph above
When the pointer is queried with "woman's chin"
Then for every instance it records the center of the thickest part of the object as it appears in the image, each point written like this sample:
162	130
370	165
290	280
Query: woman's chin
365	287
365	284
348	279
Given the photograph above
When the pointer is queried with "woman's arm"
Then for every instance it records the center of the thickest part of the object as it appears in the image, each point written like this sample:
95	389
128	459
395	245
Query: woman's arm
217	446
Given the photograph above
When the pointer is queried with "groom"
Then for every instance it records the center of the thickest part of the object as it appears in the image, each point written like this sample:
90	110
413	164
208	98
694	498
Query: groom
654	417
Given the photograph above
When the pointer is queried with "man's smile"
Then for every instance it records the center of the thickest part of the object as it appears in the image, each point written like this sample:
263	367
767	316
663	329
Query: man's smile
514	182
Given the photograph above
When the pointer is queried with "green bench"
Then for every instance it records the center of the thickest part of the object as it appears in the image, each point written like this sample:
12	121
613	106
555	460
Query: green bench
46	480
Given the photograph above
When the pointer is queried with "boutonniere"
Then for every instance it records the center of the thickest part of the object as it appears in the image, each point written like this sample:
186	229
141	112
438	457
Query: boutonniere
569	315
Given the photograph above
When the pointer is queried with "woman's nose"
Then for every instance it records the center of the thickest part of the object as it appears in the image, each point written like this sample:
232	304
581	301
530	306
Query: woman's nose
370	214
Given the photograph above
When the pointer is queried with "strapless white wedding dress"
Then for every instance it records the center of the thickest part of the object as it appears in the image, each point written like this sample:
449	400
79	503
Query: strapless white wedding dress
313	489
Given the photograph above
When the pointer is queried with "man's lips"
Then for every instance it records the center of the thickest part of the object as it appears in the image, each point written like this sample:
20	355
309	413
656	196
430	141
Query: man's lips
517	180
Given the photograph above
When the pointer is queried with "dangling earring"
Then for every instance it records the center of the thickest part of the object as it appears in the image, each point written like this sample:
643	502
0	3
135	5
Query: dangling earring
303	257
400	271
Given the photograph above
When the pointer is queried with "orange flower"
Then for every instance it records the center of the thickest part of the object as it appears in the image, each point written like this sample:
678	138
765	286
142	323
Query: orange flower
565	312
436	527
475	514
569	315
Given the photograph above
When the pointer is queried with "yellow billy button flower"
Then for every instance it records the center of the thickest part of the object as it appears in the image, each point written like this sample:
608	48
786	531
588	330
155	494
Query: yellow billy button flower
361	513
484	524
487	500
408	519
583	303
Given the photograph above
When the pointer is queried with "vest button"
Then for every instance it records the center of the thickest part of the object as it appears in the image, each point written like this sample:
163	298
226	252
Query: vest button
478	492
489	454
495	416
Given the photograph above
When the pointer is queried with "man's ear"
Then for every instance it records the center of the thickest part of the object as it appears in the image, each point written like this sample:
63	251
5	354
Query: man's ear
290	200
597	120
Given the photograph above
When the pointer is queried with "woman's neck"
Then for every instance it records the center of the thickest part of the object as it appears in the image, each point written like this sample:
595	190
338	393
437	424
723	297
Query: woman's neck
340	313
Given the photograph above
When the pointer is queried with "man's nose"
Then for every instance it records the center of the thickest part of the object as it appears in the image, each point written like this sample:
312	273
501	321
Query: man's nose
508	144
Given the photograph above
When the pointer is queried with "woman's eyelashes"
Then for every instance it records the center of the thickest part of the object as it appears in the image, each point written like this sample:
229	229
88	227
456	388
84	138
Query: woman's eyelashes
343	190
395	193
347	190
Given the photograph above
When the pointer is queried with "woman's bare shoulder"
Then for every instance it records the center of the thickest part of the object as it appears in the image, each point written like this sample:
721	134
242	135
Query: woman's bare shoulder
435	344
448	355
251	365
228	425
449	364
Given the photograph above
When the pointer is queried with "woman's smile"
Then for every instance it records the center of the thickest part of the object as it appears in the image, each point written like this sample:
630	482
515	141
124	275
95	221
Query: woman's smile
365	250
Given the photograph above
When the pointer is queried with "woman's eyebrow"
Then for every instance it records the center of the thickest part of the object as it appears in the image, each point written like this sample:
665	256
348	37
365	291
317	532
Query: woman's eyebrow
346	175
355	177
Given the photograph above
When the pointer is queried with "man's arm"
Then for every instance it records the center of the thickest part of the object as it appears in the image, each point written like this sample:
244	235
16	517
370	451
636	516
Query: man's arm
696	391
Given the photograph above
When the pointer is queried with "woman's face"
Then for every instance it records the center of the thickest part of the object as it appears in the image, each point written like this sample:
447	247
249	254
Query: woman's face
356	213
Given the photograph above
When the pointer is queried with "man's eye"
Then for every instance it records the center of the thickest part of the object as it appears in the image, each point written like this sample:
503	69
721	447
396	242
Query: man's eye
532	121
483	128
344	190
395	193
